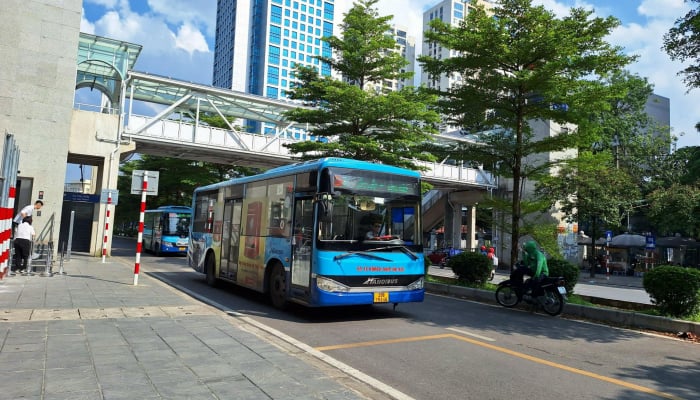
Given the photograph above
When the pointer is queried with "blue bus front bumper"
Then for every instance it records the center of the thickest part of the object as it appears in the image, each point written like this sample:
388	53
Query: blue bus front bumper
323	298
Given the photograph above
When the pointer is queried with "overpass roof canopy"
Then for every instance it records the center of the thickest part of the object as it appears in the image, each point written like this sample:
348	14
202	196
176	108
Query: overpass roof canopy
104	63
203	98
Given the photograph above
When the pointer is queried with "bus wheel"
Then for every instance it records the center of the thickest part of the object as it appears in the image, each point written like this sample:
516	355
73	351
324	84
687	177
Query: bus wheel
156	249
277	286
209	269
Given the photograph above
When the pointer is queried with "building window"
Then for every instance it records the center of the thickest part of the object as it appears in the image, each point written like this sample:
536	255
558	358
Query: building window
273	75
275	34
328	11
276	15
274	55
271	92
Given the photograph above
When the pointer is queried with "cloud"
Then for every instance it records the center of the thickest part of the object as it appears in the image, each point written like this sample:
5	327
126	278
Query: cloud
190	39
668	9
85	25
200	14
172	45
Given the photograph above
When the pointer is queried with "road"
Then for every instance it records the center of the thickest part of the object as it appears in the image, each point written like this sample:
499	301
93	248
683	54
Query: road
446	348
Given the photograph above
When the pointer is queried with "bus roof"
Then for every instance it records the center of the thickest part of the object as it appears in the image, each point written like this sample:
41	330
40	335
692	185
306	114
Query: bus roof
315	165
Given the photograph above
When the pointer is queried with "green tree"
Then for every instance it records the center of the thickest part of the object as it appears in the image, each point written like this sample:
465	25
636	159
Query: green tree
688	161
355	117
520	64
625	138
638	144
676	210
682	43
588	189
177	180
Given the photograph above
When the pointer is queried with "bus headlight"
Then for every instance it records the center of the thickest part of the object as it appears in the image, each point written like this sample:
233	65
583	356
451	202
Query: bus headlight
416	285
329	285
169	244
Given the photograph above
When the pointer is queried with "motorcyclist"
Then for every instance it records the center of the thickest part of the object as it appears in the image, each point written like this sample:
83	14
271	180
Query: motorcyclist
534	265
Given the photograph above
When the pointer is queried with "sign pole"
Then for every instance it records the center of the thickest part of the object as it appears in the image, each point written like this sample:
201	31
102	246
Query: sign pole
104	241
140	236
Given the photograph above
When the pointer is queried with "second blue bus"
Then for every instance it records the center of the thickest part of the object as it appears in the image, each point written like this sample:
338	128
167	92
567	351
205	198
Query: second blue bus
321	233
166	230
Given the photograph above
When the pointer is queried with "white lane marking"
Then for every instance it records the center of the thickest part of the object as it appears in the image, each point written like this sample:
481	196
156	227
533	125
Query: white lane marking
488	339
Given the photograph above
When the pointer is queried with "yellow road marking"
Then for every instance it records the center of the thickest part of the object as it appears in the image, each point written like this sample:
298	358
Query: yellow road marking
388	341
506	351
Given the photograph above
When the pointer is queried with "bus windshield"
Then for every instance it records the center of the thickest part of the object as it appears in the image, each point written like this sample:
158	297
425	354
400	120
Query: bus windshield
367	208
176	224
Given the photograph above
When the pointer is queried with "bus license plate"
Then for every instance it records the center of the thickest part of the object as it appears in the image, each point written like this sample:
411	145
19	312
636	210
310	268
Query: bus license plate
183	248
381	297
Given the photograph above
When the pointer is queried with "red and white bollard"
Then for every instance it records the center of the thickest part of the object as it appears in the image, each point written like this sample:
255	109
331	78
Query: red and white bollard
139	241
106	236
6	234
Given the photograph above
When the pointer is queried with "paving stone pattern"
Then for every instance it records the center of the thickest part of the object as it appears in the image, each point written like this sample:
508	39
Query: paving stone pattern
93	335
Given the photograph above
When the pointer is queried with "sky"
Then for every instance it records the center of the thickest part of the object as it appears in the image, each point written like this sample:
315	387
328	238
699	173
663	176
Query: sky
178	39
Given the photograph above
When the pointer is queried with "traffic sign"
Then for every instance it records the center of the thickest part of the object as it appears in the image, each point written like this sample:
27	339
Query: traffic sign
107	193
137	182
651	243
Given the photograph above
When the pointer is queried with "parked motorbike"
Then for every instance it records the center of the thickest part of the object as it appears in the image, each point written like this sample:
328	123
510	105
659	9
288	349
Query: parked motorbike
550	296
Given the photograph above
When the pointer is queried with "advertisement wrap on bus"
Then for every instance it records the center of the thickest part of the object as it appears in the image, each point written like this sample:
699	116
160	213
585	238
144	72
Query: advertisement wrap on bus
328	232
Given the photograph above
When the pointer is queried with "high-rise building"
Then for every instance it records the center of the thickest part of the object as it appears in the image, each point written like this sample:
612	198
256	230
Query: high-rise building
406	46
259	43
450	12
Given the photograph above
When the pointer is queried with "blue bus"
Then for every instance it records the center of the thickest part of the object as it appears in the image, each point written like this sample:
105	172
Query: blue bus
166	230
320	233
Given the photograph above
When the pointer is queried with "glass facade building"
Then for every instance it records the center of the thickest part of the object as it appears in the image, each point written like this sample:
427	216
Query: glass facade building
259	43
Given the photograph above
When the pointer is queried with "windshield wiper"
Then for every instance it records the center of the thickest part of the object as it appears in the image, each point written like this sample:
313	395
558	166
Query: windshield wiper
400	247
361	253
366	254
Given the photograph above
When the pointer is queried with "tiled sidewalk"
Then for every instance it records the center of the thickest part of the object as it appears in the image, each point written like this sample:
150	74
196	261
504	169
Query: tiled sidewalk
91	334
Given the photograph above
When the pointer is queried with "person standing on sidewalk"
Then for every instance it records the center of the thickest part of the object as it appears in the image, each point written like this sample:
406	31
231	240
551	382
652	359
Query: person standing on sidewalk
24	236
26	211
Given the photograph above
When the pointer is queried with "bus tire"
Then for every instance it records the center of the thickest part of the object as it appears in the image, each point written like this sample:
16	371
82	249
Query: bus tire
210	271
156	249
277	286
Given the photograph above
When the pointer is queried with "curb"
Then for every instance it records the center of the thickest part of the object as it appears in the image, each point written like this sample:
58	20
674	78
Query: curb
629	319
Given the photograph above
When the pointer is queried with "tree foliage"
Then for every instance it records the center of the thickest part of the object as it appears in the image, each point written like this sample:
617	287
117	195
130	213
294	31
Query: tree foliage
682	42
686	161
517	64
588	188
355	117
676	210
177	180
636	142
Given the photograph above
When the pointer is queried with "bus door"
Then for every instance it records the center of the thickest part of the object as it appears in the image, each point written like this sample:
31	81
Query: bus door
302	243
230	238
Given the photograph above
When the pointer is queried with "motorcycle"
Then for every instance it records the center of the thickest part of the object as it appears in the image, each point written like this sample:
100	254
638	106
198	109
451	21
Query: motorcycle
550	296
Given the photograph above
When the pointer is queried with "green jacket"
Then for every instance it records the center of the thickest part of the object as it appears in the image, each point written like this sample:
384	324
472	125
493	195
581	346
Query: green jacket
535	260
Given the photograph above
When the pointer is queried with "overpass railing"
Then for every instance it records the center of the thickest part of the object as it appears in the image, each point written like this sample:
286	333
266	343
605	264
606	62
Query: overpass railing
184	133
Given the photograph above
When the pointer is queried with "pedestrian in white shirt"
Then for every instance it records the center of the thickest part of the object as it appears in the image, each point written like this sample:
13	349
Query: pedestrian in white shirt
26	211
24	235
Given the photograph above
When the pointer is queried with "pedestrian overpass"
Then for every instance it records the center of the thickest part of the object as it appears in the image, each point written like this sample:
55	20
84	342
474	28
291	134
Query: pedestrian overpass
175	129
